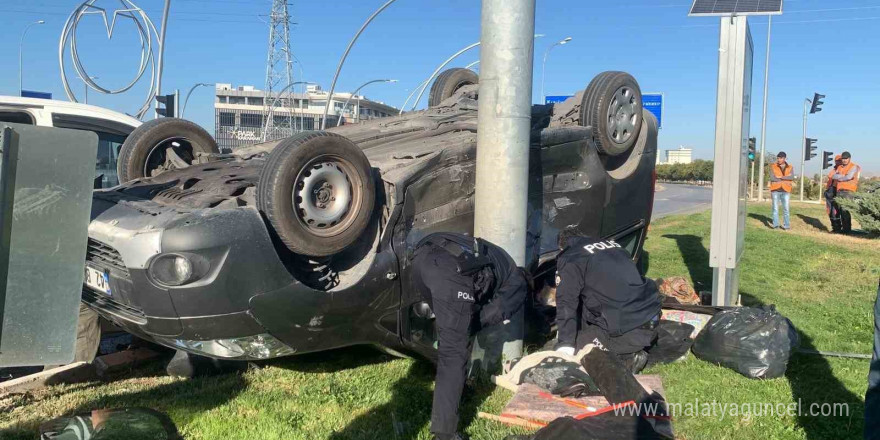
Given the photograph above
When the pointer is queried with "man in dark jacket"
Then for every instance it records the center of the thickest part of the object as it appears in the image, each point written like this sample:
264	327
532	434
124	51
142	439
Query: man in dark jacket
602	299
872	397
469	283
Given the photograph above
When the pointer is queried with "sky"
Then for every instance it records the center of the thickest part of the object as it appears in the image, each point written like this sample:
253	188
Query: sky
826	46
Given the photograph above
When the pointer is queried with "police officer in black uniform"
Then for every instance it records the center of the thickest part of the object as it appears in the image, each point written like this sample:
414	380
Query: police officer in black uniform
469	284
602	299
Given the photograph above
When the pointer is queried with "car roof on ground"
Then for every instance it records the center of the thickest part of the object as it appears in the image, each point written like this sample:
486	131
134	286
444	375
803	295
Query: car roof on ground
72	108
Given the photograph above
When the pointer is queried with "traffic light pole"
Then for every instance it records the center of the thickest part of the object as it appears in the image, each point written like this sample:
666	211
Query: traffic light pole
804	149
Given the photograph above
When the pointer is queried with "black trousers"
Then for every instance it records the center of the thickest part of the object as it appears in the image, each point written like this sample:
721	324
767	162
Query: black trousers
845	216
452	299
627	343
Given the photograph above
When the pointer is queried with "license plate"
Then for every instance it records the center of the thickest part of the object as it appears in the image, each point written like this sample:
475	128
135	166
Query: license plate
97	279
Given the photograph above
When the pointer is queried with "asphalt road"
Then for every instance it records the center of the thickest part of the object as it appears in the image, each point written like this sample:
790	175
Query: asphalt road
681	199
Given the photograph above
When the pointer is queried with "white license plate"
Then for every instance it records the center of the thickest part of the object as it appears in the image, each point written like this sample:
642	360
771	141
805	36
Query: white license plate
97	280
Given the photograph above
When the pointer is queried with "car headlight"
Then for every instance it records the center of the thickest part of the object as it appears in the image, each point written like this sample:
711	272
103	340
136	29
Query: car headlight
177	269
256	347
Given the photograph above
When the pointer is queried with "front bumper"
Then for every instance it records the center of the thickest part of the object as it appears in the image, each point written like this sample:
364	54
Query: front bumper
201	317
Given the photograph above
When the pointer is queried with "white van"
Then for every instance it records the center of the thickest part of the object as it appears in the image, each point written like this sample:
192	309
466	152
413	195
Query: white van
111	127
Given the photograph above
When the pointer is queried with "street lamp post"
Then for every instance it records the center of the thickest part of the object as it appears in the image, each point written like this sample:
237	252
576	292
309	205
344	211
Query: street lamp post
424	85
86	89
271	111
186	100
764	115
345	55
358	108
20	46
544	64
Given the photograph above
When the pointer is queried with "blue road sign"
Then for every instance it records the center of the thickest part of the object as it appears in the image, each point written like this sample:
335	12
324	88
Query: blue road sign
653	102
33	94
556	99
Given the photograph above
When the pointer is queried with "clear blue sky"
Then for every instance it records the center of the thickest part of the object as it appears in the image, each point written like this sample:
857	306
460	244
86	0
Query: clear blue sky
822	46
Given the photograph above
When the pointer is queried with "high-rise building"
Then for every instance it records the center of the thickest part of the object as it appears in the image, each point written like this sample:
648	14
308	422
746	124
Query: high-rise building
681	155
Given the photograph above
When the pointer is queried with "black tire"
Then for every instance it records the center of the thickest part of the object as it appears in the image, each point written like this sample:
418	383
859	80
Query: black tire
309	162
448	82
612	105
143	152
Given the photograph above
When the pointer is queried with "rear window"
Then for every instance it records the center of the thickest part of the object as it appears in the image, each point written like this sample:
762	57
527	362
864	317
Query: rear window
16	117
111	135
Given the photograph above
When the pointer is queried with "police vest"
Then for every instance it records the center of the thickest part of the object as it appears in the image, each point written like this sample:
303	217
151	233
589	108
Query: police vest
622	299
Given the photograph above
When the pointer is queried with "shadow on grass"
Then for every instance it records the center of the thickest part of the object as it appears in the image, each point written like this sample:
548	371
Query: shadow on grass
331	361
184	400
767	221
812	382
696	258
409	410
814	222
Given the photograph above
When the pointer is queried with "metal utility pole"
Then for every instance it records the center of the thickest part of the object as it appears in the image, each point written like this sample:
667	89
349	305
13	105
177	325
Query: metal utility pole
279	62
160	65
804	149
544	64
764	116
504	123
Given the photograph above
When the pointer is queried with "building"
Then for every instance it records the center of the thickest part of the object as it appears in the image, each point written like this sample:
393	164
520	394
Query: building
681	155
241	113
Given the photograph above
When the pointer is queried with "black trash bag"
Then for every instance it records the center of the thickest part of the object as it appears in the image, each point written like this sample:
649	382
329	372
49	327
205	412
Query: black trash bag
607	426
755	342
673	342
562	378
111	424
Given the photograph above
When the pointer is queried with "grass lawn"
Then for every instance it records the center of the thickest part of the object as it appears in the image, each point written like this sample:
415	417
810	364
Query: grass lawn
825	284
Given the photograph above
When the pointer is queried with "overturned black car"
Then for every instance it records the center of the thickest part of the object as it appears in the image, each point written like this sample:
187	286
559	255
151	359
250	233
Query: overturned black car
303	244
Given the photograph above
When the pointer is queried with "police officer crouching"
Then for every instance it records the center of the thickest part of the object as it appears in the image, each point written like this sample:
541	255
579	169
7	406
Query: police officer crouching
602	299
469	284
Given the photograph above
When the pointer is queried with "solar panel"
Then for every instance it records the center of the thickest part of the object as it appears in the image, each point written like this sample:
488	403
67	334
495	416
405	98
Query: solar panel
736	7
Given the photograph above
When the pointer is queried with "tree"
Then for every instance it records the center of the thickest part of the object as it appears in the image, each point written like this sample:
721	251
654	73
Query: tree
865	205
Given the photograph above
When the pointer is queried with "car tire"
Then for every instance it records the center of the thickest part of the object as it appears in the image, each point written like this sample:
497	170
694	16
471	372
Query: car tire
317	192
612	106
448	82
143	153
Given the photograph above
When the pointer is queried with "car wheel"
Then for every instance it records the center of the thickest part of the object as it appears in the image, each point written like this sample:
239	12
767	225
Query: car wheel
612	105
449	82
161	145
317	192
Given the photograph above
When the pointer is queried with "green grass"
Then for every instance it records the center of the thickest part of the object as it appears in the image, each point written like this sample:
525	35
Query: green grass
824	283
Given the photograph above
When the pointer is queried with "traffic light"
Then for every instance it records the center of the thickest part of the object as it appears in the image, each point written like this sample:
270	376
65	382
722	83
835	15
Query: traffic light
827	159
817	102
809	149
167	107
752	142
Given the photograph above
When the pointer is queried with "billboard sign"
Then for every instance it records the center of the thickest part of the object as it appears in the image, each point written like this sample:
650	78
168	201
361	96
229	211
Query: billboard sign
653	102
